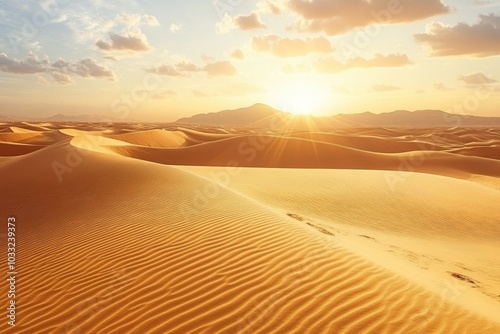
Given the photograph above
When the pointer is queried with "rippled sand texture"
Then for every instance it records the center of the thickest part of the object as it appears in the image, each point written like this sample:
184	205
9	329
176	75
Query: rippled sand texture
144	228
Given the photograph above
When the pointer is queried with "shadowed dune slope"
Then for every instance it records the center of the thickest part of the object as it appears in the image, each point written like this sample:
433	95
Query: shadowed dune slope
14	149
139	251
272	151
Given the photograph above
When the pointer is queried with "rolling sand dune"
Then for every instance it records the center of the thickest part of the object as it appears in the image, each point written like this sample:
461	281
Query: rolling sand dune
367	143
131	246
276	152
154	138
490	152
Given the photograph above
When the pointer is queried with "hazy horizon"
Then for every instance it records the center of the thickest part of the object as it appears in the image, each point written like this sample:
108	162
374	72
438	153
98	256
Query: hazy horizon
163	61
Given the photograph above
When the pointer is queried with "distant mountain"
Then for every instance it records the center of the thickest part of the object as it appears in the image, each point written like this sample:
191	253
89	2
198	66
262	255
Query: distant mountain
249	116
66	118
81	118
261	115
415	119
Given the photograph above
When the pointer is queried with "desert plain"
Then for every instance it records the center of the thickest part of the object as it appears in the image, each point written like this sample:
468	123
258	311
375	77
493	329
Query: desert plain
154	228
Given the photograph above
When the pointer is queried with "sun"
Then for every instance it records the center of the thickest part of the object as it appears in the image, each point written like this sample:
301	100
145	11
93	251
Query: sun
301	97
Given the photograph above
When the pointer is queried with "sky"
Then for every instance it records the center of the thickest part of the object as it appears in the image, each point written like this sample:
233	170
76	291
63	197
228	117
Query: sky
162	60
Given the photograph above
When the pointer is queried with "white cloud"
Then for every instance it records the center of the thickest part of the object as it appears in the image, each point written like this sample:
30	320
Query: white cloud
174	28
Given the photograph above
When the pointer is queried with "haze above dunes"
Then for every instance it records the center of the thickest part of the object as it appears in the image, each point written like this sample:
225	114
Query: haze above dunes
263	116
151	228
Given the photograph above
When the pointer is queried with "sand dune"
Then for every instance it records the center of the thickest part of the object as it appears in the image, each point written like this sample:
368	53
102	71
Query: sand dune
276	152
154	138
368	143
13	149
490	152
131	246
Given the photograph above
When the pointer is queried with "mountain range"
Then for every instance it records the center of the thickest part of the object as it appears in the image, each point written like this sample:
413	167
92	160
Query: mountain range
264	116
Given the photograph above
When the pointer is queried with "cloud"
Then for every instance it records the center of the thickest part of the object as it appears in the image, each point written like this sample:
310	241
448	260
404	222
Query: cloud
277	7
242	22
331	65
136	20
110	58
220	68
185	68
130	37
238	54
384	88
478	40
124	43
477	78
62	78
174	28
180	69
89	25
288	47
88	68
61	70
31	65
339	16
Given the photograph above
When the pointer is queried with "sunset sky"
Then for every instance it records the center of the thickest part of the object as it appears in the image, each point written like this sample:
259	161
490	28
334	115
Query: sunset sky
162	60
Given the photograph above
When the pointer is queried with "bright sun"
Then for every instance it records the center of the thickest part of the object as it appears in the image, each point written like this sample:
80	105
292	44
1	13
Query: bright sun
301	98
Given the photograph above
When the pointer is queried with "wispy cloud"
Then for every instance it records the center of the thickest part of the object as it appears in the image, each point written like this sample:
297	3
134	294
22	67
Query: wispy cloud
186	68
331	65
291	47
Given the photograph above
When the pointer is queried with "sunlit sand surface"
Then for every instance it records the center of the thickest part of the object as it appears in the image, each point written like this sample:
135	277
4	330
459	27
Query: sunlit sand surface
150	228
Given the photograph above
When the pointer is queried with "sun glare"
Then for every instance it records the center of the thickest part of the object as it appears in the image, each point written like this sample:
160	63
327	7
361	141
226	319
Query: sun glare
301	98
